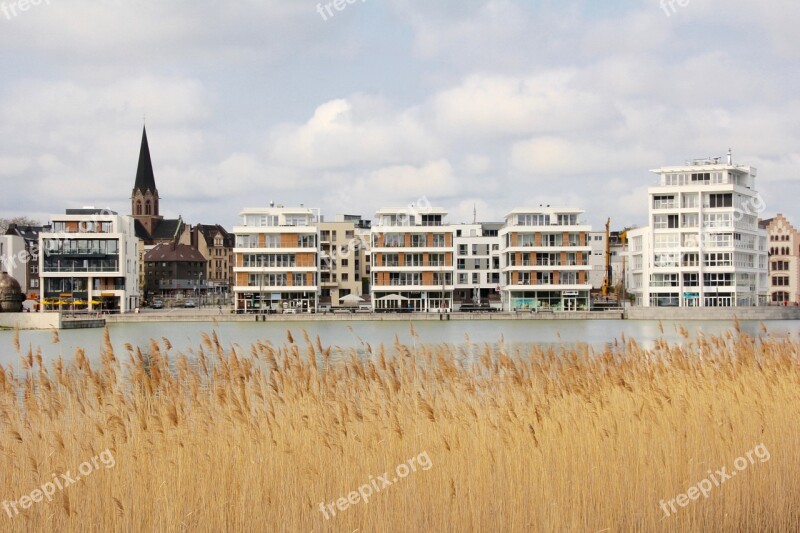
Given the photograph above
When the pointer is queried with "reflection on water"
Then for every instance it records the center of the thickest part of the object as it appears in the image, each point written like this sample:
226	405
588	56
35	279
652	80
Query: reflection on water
467	337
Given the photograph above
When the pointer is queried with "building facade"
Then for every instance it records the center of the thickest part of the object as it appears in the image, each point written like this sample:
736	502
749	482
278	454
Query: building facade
343	255
703	246
175	271
216	245
30	257
88	260
277	260
784	261
597	259
477	275
411	265
14	260
545	260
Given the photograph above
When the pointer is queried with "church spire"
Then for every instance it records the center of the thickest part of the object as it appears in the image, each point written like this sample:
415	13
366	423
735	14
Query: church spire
145	180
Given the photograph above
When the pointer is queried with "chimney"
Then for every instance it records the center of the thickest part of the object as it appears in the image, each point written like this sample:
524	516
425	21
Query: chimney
730	156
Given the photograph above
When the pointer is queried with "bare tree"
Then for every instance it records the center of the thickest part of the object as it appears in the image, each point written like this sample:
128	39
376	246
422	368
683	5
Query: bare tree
20	221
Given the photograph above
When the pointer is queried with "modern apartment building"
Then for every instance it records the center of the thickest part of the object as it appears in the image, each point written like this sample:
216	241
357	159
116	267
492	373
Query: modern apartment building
477	281
784	261
277	260
343	255
703	246
412	260
89	260
545	260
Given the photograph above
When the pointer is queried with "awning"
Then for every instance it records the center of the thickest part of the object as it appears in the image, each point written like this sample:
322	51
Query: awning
392	298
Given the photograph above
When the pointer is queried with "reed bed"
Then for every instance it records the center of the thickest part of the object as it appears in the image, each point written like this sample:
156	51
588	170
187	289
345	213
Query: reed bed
550	439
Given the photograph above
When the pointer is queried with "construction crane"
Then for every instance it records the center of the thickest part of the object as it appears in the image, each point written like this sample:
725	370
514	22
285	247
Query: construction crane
608	278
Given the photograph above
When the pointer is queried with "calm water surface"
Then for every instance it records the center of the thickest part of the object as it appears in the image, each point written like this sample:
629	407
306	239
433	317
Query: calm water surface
187	336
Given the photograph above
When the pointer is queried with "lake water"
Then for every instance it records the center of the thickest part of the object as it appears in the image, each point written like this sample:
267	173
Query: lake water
187	336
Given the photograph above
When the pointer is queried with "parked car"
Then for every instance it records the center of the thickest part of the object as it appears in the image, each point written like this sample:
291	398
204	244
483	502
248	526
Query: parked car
324	308
290	311
189	304
157	304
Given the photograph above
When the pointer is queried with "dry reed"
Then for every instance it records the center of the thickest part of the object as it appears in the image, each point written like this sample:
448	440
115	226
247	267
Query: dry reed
552	439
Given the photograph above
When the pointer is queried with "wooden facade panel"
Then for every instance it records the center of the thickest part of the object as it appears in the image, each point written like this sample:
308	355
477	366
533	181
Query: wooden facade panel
242	279
427	278
306	260
288	240
537	239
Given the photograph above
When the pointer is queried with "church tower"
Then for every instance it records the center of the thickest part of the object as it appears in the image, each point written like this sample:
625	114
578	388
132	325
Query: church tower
144	201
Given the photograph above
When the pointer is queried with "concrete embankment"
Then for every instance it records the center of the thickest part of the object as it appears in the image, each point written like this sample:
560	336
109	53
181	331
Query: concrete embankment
29	321
361	317
713	313
32	321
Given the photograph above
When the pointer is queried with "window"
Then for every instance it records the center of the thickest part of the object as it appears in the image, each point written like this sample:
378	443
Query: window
690	200
394	240
665	221
664	280
437	260
717	279
567	220
719	200
534	219
418	240
525	239
664	202
666	240
568	278
691	279
462	249
345	277
476	278
690	220
718	259
666	260
439	240
552	239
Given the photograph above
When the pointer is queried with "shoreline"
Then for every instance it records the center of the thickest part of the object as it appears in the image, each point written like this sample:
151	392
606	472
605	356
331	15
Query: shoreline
39	321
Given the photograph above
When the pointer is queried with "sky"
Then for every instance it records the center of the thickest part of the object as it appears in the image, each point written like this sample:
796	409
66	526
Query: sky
470	104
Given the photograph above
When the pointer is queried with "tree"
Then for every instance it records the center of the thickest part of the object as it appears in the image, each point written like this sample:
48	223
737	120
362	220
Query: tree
20	221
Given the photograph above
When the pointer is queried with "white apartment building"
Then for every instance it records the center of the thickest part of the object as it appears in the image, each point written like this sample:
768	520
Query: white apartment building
477	275
703	246
545	260
277	260
88	260
412	260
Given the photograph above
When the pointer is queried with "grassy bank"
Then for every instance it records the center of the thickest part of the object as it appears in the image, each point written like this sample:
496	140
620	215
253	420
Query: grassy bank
292	435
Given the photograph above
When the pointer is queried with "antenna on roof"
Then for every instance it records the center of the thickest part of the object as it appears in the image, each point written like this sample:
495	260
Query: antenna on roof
474	214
